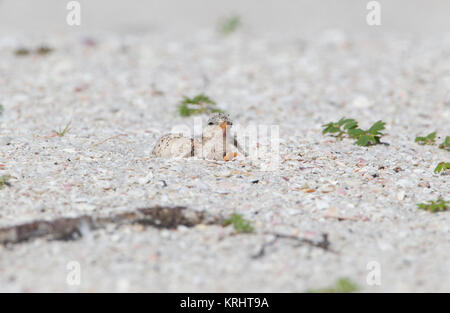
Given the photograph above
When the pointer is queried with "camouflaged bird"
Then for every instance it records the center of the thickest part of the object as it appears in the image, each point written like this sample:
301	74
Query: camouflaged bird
214	144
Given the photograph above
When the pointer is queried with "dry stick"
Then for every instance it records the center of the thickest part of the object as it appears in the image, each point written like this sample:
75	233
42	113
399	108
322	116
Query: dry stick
71	228
159	217
109	138
323	243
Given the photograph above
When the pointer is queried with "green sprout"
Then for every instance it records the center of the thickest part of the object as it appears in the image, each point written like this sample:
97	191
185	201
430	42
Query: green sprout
343	285
350	128
1	109
239	223
22	52
435	206
43	50
446	144
340	127
368	137
63	132
4	181
443	166
197	105
230	25
427	140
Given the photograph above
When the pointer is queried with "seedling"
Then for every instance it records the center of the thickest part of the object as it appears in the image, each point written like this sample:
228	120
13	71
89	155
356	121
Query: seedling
4	181
435	206
343	285
446	144
239	223
339	128
22	52
428	140
443	166
62	133
1	109
350	128
368	137
197	105
43	50
229	25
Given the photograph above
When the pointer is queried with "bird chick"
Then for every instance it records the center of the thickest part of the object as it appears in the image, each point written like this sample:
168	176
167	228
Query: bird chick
174	146
214	144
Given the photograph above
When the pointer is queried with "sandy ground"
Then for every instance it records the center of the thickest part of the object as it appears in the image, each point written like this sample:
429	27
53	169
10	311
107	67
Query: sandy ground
119	88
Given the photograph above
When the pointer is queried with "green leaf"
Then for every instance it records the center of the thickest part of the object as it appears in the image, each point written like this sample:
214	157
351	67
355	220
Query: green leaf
230	25
43	50
442	166
22	52
351	124
4	181
198	99
428	140
431	136
331	129
349	127
342	121
446	144
343	285
435	206
197	105
377	127
184	110
419	139
376	140
63	132
355	132
239	223
363	140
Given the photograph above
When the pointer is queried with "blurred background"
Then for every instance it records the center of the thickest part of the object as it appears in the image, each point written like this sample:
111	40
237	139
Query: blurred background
285	17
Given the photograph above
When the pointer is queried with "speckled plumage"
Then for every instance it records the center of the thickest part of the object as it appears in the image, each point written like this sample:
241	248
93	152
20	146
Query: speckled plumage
213	144
173	146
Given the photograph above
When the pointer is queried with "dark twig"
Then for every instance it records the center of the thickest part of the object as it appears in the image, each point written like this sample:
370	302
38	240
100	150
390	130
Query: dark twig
323	243
72	228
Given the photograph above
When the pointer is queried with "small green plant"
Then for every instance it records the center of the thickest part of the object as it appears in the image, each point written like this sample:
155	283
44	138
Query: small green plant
340	127
20	52
427	140
197	105
343	285
239	223
4	181
350	128
431	139
229	25
435	206
63	132
368	137
446	144
1	109
443	166
43	50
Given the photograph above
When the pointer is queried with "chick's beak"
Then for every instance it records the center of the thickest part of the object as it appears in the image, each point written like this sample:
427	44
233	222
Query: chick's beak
223	125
